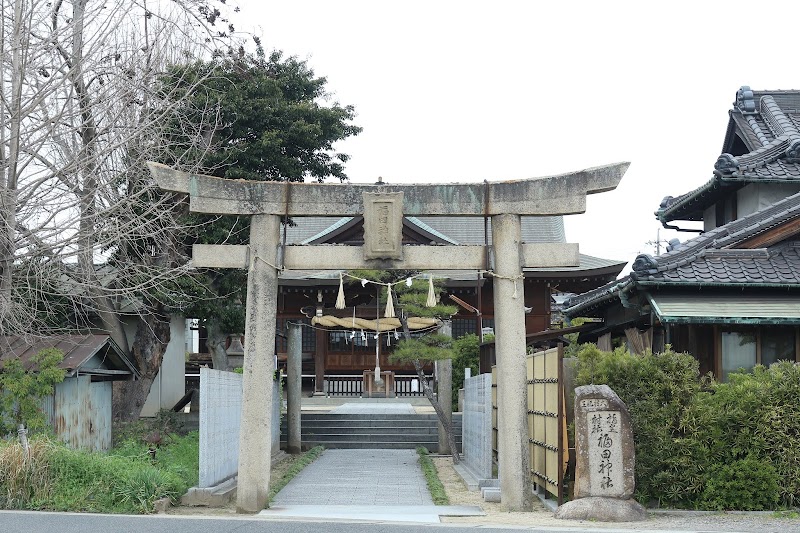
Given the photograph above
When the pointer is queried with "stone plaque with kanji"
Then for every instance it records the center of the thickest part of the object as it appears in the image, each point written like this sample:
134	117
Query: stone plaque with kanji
604	444
383	225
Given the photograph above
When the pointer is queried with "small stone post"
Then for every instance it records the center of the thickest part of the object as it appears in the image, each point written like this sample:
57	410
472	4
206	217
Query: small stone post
512	385
255	451
293	386
444	370
445	373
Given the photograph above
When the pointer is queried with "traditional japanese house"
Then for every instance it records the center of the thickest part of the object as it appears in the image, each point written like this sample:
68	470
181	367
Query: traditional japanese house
730	296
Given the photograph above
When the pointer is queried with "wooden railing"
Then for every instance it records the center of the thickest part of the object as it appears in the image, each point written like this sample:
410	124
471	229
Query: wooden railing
353	385
344	385
410	385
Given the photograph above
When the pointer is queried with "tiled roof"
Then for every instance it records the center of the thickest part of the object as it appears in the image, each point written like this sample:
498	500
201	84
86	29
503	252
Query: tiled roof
462	230
712	259
768	122
578	305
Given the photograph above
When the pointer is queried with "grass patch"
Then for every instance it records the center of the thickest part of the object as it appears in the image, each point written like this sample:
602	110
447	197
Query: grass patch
435	486
304	460
127	480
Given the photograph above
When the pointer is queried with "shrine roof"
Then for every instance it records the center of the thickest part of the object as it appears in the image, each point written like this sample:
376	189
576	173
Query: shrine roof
457	230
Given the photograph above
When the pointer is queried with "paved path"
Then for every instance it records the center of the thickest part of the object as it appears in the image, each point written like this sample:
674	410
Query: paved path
382	485
374	409
359	477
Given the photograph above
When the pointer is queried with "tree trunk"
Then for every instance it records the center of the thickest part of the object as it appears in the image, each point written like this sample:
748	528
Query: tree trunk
428	391
447	425
152	337
216	345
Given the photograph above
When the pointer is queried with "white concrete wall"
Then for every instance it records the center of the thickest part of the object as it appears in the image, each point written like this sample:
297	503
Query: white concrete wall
757	196
477	425
220	422
220	418
169	385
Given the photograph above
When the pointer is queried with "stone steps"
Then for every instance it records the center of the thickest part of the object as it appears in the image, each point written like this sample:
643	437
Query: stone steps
381	431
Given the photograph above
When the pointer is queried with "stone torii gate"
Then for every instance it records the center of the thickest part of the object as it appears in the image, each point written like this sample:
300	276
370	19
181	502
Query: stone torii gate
383	207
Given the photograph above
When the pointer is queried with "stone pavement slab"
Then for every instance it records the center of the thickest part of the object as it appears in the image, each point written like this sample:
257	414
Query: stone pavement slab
374	408
358	477
375	485
377	513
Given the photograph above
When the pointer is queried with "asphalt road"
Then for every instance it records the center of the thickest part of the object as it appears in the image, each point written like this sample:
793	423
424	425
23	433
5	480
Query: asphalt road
21	521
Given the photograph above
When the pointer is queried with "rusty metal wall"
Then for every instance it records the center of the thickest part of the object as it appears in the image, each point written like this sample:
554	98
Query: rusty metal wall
81	413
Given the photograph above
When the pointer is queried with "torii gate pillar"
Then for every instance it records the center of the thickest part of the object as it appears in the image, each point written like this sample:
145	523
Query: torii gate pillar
512	382
259	366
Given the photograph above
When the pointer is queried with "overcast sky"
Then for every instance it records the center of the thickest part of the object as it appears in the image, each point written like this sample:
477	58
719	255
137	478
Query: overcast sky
467	91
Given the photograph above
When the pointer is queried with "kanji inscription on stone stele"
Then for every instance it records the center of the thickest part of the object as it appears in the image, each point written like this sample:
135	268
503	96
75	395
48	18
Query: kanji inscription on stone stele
605	452
605	457
383	225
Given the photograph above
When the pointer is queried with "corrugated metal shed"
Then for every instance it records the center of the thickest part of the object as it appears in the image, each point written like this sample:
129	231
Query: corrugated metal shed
79	410
97	355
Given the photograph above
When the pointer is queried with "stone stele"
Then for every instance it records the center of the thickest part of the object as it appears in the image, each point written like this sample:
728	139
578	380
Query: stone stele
605	459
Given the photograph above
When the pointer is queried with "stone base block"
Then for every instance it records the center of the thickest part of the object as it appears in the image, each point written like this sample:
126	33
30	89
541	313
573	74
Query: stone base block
161	505
602	510
218	496
489	483
491	494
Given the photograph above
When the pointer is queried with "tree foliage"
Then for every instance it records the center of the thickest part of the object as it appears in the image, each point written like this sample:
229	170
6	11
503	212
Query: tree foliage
22	389
467	351
263	117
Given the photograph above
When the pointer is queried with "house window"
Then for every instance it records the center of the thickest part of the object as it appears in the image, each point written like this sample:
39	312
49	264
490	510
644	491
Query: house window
309	335
764	346
738	351
463	326
777	345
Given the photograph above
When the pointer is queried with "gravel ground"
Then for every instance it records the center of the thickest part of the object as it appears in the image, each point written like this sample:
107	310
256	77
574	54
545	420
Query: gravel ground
675	520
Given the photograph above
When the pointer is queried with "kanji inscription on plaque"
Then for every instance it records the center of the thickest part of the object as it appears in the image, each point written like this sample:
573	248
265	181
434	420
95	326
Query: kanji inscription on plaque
383	225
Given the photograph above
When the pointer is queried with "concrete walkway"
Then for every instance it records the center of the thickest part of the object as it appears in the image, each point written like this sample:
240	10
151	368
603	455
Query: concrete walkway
374	408
358	477
374	485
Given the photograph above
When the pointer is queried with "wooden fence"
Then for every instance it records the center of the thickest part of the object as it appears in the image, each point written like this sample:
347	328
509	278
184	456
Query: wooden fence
547	423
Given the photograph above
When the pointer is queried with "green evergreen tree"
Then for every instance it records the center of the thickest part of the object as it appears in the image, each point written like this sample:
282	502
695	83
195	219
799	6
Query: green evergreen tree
265	118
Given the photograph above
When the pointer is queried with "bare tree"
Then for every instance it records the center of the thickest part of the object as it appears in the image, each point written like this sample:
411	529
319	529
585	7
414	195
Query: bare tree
87	240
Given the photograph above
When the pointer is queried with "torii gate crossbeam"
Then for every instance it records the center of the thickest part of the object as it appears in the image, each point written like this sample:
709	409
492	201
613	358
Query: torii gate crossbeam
504	202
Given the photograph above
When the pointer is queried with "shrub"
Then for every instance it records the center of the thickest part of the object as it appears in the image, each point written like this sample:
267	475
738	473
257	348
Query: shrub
697	446
467	355
755	415
657	388
744	485
21	389
129	480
